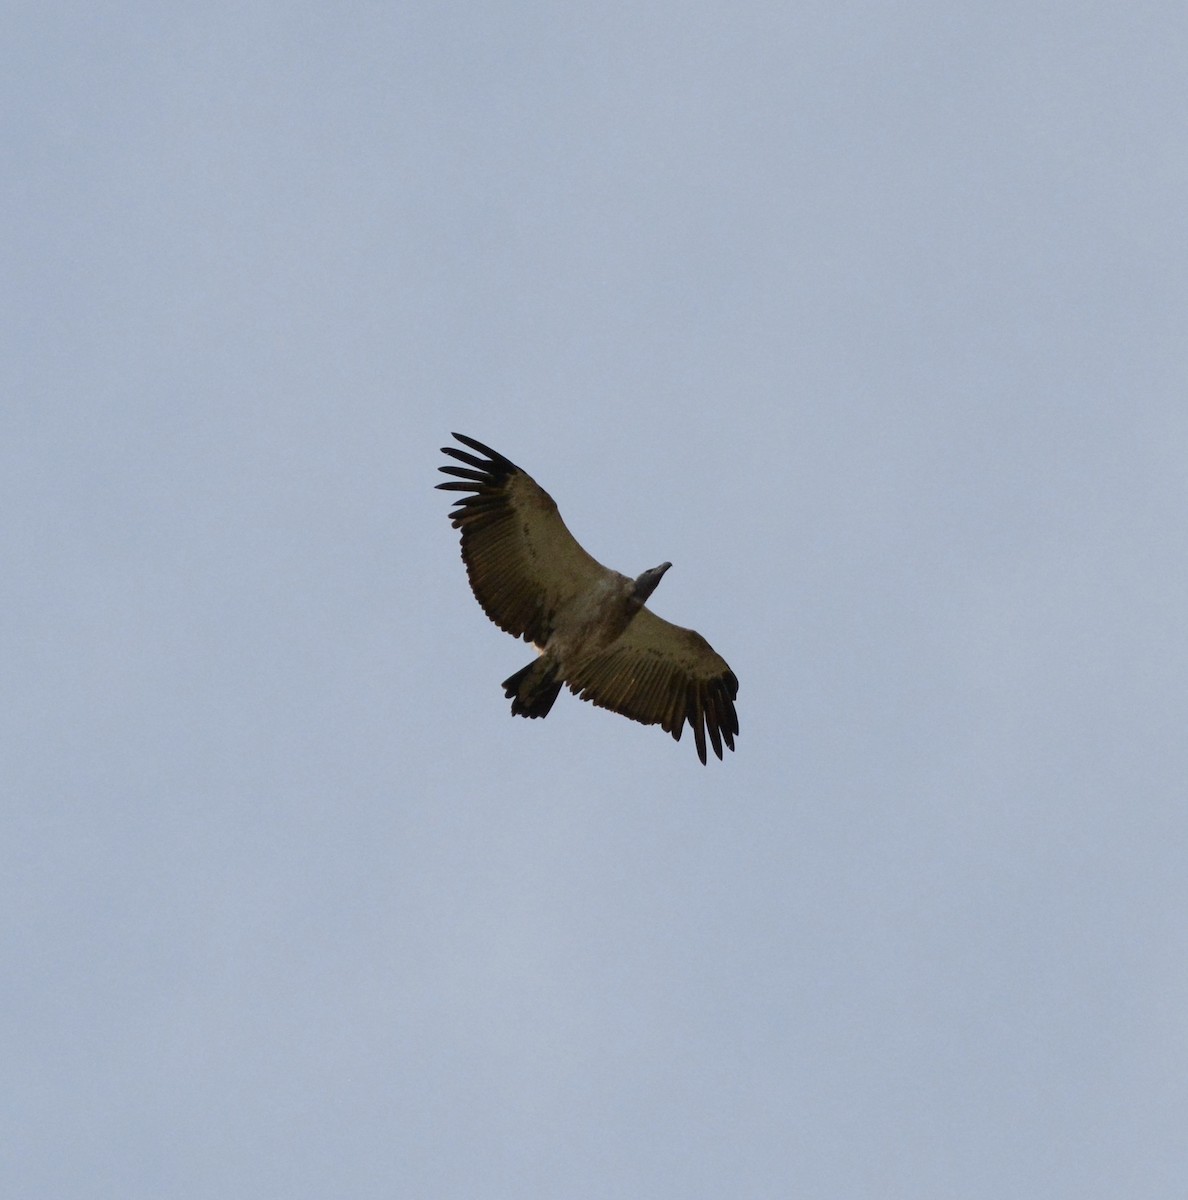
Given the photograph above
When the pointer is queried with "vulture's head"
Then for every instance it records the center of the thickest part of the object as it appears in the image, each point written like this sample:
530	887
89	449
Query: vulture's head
645	585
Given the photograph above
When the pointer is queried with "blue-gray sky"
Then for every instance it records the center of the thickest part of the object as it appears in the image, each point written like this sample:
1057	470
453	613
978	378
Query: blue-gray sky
872	319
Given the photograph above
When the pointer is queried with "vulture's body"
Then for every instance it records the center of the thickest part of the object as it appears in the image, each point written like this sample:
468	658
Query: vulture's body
589	623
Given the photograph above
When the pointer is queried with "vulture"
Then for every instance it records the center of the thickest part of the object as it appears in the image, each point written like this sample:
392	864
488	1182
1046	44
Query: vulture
589	624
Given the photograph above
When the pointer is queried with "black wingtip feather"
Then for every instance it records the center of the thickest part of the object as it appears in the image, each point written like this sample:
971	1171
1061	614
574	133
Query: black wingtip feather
496	459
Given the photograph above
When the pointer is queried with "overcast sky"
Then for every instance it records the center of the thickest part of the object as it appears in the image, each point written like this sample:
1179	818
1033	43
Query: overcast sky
873	319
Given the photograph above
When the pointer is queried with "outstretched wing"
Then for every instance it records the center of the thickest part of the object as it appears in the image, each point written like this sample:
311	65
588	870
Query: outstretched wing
521	560
660	674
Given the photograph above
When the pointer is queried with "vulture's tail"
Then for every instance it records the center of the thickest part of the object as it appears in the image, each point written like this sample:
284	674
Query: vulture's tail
533	690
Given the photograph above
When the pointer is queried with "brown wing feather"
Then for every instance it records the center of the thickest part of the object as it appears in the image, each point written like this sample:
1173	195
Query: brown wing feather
658	673
521	559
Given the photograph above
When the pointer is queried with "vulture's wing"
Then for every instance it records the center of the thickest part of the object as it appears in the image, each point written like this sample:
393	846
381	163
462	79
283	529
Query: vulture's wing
521	560
660	674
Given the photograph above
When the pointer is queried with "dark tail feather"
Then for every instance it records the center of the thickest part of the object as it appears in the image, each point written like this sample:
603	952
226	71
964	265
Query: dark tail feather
532	690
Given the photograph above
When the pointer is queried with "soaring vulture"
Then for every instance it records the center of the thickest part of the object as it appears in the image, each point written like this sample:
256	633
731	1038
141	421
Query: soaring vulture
589	623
